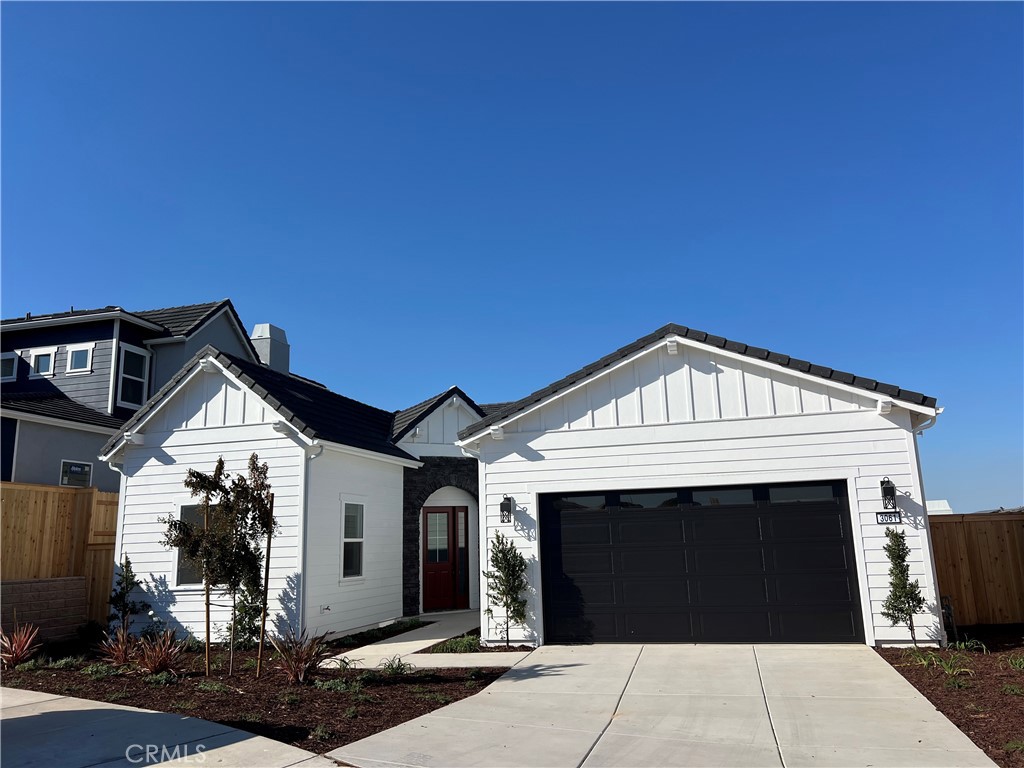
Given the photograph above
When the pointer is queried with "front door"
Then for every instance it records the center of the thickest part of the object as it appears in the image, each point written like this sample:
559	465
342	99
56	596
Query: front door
445	558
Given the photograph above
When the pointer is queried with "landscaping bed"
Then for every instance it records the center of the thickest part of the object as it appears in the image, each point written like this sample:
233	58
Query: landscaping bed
339	707
370	636
982	693
470	643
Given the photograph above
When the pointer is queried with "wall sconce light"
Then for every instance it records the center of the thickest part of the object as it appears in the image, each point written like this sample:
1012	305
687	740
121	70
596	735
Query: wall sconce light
507	504
888	493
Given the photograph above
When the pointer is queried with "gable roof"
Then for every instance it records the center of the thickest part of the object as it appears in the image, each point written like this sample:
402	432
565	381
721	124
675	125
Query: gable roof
315	411
181	321
56	405
405	420
701	337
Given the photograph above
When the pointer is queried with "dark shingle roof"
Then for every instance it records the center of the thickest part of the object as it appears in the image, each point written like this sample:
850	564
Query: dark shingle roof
489	408
73	314
312	409
758	353
55	405
408	418
179	321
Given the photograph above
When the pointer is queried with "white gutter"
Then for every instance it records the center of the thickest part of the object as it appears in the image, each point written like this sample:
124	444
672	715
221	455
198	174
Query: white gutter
928	423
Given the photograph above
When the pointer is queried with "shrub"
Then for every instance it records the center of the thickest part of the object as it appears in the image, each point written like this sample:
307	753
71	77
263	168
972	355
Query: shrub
121	597
506	583
953	665
1014	661
100	670
463	644
904	599
969	645
30	666
160	654
1017	745
395	667
920	656
161	678
1013	690
301	656
320	733
957	683
68	662
19	646
212	686
335	685
119	648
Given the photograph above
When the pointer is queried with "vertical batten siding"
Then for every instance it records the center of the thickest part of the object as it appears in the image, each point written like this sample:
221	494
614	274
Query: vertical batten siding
439	431
154	487
376	596
792	432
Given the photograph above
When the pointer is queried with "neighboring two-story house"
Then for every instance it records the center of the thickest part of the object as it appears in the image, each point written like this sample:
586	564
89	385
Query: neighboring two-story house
69	380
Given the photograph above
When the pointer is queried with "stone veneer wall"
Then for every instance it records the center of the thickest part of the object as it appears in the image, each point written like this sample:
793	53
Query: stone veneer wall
436	472
56	606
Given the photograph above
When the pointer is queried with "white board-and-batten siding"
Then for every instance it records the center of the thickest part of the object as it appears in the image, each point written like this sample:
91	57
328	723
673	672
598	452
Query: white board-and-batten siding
439	430
696	419
213	415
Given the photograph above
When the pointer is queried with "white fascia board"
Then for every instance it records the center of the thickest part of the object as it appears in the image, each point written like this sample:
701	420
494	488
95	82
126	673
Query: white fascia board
365	454
37	419
876	396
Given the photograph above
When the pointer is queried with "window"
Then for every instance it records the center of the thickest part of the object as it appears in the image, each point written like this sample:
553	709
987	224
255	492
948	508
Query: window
134	376
42	362
9	366
190	574
725	497
77	474
801	493
79	359
351	540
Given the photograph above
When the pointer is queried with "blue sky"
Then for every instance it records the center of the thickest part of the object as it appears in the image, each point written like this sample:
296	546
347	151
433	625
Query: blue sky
493	195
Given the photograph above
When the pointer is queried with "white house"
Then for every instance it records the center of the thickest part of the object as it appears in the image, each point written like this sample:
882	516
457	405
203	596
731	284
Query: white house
377	511
336	561
691	488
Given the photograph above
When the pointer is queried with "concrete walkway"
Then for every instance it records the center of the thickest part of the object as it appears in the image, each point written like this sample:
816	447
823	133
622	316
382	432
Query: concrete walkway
46	730
682	705
443	626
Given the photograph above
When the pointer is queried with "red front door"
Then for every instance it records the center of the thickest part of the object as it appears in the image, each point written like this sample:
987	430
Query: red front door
445	558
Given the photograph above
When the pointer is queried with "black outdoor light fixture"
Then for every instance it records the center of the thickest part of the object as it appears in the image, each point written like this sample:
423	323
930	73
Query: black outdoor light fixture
506	509
888	493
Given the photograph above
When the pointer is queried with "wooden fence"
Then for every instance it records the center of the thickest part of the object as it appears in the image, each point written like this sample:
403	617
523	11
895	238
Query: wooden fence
979	561
50	532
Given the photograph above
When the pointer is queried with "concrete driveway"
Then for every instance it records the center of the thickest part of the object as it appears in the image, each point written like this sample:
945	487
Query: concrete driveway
682	705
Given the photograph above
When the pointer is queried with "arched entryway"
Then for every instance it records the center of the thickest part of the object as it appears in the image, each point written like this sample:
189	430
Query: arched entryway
449	570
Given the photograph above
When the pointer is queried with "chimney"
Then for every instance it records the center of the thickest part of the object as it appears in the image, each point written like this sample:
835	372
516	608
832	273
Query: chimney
271	345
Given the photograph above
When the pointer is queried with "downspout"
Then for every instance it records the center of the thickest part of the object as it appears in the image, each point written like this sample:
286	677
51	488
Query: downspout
933	575
310	452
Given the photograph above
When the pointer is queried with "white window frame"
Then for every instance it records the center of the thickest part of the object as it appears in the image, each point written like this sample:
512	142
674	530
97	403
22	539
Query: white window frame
34	353
180	504
15	357
60	476
89	347
342	578
120	375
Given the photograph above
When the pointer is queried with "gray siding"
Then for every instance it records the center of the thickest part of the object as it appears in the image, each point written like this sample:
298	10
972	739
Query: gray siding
90	389
169	358
41	447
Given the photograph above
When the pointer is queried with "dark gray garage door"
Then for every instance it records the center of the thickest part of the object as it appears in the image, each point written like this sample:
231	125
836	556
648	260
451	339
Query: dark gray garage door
769	563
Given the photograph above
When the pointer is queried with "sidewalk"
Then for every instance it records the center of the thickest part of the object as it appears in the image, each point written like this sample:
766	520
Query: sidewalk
45	730
443	626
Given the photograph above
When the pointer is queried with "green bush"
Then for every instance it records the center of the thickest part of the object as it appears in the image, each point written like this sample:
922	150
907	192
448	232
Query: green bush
462	644
100	670
335	685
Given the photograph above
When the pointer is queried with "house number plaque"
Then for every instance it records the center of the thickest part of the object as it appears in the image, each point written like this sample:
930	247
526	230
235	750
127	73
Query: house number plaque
886	518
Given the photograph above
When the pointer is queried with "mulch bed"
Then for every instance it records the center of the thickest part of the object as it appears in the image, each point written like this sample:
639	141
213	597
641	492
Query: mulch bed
370	636
990	710
308	717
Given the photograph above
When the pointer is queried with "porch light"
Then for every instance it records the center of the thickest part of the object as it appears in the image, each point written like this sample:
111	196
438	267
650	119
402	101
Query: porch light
506	509
888	493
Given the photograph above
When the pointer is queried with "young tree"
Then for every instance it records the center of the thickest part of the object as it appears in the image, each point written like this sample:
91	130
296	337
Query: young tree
904	598
506	583
226	547
121	597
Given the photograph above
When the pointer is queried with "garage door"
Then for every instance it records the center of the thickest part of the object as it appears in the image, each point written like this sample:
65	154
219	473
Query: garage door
767	563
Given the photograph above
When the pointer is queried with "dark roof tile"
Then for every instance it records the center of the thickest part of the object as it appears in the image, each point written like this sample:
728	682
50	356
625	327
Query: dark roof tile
56	405
408	418
315	411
